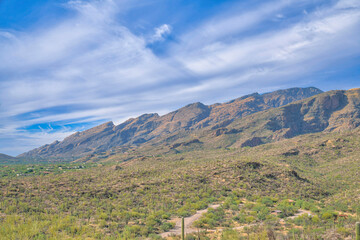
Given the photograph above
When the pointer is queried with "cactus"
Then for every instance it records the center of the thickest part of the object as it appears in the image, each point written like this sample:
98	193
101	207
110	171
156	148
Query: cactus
357	231
182	229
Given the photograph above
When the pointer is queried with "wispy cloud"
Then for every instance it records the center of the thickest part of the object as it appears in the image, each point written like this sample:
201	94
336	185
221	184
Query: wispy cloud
224	26
304	46
90	67
160	33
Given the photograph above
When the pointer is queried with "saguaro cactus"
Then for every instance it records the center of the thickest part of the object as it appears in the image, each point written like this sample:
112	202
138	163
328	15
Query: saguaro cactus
183	229
358	231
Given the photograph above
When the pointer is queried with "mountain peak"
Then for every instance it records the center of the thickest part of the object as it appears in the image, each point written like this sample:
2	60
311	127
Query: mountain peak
285	96
187	116
193	107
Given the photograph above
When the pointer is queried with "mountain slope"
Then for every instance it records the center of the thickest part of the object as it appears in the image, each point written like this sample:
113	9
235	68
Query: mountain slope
255	102
148	127
317	171
7	159
333	111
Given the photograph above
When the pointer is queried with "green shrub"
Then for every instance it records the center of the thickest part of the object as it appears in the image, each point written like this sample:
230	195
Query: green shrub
167	226
230	234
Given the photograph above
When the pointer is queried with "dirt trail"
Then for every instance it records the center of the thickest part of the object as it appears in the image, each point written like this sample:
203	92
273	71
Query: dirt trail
188	223
190	220
299	213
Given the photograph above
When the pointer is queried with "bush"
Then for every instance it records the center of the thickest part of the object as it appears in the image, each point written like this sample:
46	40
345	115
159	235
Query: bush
267	201
286	209
249	219
167	226
190	237
315	219
240	218
328	215
211	219
230	234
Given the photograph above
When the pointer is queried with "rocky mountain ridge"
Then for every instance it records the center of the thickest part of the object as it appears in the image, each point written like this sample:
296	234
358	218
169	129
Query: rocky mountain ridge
333	111
149	128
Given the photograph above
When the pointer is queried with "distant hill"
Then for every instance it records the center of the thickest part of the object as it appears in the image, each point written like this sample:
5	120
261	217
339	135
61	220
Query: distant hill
151	128
7	159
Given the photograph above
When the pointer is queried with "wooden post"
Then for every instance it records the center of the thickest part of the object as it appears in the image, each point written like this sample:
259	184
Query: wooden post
357	231
182	229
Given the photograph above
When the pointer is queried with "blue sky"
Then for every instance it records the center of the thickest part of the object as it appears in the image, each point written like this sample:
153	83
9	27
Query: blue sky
66	66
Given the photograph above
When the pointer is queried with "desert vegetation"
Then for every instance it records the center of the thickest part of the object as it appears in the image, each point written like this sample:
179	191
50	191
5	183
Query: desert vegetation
262	192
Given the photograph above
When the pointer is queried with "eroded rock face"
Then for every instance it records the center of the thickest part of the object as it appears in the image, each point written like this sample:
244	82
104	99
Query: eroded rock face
308	116
283	97
150	127
328	112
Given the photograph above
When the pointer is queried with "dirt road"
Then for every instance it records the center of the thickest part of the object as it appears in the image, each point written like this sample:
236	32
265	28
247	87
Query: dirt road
190	220
188	223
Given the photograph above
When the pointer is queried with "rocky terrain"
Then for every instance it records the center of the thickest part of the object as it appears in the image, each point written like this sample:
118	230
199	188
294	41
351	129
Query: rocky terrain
334	111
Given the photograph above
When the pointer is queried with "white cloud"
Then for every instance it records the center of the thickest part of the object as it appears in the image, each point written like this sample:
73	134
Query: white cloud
230	23
345	4
323	34
160	33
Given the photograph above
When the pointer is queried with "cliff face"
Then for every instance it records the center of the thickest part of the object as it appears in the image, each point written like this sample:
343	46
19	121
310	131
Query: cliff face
331	111
148	127
326	112
253	103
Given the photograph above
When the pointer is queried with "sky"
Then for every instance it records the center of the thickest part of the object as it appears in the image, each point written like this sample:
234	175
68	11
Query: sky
66	66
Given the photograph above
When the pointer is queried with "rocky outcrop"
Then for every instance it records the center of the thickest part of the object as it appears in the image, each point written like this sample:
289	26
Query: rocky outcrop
326	112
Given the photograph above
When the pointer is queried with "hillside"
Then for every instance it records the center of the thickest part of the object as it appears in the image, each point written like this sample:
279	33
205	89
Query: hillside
139	198
8	159
150	128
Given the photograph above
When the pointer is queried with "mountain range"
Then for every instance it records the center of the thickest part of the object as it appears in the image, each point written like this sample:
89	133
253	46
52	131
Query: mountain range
247	121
